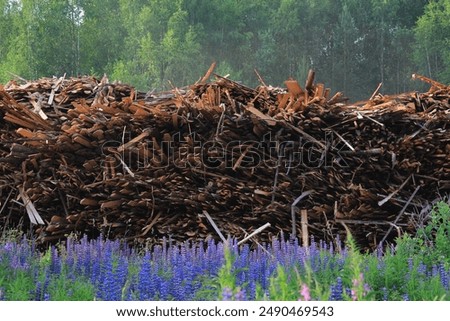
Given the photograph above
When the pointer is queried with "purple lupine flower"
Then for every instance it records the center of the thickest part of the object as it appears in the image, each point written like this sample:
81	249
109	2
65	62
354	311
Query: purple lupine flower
178	276
227	294
84	254
348	291
55	263
240	295
145	285
410	264
255	274
337	290
121	274
24	251
379	252
163	289
252	290
385	294
444	276
434	271
314	256
70	255
405	297
422	269
95	272
38	291
106	276
17	264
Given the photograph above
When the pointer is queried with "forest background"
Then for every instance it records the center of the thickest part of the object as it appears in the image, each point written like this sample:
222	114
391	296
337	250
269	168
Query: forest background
352	45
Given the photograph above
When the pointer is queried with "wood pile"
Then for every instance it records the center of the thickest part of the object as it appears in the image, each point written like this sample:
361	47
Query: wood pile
88	156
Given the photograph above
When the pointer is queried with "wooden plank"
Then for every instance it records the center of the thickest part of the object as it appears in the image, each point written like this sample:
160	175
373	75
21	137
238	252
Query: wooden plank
310	80
319	91
133	141
33	214
293	87
282	100
267	119
304	222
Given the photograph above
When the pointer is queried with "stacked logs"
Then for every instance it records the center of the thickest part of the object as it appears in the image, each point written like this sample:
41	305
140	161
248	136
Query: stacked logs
88	156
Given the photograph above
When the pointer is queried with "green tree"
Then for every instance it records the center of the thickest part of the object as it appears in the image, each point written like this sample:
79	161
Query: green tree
101	35
433	41
14	50
51	36
161	45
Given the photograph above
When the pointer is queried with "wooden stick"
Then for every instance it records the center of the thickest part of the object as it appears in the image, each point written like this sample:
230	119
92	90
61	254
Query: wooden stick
17	76
215	226
275	180
133	141
375	121
219	128
6	201
147	228
343	139
400	214
372	151
335	98
387	198
338	220
127	169
310	80
298	199
267	119
208	73
304	221
429	81
257	231
304	134
239	160
259	244
261	81
376	91
55	87
33	214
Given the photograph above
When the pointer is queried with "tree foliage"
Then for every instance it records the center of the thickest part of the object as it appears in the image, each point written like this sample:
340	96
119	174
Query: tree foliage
154	44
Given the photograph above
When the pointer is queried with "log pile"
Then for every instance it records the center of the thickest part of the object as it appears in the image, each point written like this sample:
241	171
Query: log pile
87	156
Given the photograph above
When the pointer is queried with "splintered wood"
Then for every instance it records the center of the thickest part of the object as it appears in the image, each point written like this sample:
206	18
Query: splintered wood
87	156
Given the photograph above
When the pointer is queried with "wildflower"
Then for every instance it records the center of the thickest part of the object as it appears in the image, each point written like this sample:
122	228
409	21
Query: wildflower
240	295
434	271
337	290
37	292
405	297
305	295
227	294
55	264
444	276
163	289
359	287
422	269
410	264
145	284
